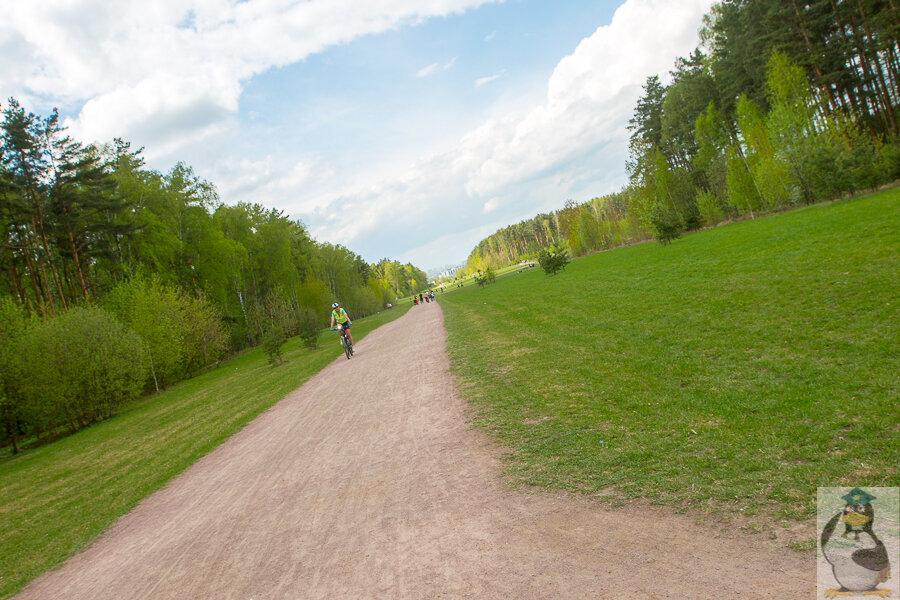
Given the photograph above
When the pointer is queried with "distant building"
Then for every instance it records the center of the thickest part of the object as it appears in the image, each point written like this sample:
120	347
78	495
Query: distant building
445	271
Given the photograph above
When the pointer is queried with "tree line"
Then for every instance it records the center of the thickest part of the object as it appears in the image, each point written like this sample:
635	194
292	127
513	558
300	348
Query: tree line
119	278
784	103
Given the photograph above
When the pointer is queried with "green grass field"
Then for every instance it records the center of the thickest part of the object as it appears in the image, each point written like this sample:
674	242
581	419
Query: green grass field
733	371
57	498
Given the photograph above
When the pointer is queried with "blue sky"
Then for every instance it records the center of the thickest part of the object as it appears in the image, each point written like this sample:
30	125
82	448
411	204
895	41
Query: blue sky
407	129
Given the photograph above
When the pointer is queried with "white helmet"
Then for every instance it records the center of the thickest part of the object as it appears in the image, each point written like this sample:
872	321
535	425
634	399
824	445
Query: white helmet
335	305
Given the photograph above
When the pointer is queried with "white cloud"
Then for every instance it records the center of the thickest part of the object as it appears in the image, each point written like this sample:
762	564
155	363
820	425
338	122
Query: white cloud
295	186
490	36
483	80
426	71
433	68
155	67
592	92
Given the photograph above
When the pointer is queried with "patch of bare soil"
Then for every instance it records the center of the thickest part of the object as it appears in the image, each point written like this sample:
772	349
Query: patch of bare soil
367	482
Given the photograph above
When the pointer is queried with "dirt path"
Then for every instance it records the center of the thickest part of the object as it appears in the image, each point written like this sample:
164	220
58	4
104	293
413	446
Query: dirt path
367	483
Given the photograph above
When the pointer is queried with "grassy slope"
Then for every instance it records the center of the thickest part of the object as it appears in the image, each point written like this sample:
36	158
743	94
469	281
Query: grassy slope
739	368
57	498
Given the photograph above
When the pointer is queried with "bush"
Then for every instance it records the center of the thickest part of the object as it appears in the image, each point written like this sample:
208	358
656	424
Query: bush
153	310
711	211
667	226
889	161
554	260
204	337
183	332
487	277
78	368
12	327
272	342
308	327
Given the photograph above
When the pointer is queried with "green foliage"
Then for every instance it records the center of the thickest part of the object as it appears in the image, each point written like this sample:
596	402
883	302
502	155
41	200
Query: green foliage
78	368
889	160
12	328
647	123
204	337
768	168
711	210
712	138
667	225
153	310
743	195
488	277
272	342
182	333
554	260
309	325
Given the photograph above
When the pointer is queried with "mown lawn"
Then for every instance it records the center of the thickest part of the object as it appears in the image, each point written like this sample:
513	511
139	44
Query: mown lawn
57	498
735	370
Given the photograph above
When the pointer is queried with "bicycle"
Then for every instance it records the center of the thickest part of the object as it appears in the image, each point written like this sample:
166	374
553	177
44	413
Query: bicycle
348	347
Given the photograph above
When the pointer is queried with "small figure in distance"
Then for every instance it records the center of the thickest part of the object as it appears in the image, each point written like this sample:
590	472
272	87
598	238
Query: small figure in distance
339	315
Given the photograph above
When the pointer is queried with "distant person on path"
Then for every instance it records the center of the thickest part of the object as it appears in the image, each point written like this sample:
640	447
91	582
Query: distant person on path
415	301
339	315
422	298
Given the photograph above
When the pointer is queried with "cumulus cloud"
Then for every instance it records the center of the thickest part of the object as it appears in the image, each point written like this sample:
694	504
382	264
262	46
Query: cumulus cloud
593	91
572	145
176	63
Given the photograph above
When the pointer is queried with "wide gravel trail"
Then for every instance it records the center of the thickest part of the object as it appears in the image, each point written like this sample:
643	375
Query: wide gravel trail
367	482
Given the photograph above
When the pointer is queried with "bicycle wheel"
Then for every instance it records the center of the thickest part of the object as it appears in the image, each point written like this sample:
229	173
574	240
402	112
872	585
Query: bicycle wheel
346	344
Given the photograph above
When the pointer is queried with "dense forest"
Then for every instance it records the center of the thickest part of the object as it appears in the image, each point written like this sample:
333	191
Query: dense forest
118	278
784	103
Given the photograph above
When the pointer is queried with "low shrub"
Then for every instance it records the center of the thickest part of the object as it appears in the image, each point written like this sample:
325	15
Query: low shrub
554	260
308	327
272	342
77	369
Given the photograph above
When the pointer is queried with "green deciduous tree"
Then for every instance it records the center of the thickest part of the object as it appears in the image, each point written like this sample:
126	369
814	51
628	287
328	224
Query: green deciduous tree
78	368
12	328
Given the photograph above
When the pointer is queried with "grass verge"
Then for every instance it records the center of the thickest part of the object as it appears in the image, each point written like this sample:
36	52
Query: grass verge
55	499
737	369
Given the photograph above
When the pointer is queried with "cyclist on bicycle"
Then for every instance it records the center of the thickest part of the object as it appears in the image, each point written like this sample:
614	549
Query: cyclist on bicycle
339	315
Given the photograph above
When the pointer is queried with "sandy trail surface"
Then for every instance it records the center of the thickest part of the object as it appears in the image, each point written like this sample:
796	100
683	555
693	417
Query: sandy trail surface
367	482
